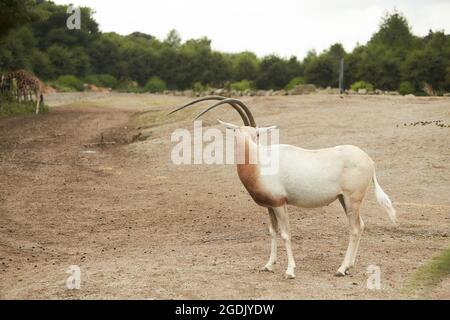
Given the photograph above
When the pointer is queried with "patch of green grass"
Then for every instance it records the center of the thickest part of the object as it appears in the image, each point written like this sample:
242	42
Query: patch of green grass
101	80
294	82
431	274
241	85
361	85
8	108
153	118
67	83
132	90
155	84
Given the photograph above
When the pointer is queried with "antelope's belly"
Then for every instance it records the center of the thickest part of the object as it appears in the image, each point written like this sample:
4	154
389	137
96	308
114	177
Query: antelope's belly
311	198
311	193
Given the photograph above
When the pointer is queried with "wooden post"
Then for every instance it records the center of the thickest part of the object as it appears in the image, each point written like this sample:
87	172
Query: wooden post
341	76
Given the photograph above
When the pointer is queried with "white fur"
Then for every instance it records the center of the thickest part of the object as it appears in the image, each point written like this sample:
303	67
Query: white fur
384	200
315	178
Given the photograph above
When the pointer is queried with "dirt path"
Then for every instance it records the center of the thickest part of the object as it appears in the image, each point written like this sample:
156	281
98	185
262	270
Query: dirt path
140	227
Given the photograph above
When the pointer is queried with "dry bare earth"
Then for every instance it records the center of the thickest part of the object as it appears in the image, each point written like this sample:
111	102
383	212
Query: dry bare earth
141	227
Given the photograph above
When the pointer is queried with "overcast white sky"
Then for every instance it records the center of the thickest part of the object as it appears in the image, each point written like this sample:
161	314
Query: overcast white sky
284	27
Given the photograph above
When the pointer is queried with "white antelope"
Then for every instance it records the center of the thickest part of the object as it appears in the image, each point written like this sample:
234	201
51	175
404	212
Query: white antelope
305	178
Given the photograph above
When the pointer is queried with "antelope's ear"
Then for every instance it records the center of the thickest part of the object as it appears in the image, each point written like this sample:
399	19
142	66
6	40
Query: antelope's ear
228	125
265	129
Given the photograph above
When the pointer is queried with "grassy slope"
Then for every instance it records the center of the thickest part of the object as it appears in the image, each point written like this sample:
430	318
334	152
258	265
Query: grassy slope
11	108
430	275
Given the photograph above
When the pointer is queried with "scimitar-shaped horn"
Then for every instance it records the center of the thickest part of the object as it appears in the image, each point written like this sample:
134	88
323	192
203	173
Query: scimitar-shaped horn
229	101
238	105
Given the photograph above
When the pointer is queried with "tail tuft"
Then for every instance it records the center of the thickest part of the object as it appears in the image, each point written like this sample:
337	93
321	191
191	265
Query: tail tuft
384	201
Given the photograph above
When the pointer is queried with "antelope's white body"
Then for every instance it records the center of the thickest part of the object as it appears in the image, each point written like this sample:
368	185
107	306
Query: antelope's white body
308	179
314	178
303	178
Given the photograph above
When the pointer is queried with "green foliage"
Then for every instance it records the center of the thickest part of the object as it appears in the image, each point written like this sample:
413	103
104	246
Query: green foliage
12	14
126	84
427	65
173	39
245	66
67	83
42	64
275	73
361	85
447	79
9	107
294	82
430	274
320	71
102	80
323	69
394	31
241	85
198	87
406	87
155	84
33	36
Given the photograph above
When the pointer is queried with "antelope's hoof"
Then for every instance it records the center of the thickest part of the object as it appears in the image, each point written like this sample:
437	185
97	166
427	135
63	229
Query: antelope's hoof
267	268
341	273
289	275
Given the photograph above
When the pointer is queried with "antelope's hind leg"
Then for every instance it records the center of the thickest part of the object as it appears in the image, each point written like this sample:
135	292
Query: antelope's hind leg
356	226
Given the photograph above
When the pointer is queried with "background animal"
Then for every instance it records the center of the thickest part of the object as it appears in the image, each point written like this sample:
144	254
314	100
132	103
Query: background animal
23	85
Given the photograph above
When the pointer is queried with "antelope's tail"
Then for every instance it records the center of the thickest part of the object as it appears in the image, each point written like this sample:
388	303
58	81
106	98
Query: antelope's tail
384	201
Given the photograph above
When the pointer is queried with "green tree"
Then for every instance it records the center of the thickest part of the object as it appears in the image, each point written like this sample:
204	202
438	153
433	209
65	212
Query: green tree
425	66
104	54
320	71
42	64
245	66
15	49
155	84
394	32
61	60
323	70
33	35
13	13
275	73
173	39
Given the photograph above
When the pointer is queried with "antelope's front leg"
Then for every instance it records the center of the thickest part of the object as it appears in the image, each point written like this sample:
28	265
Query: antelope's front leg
283	221
273	227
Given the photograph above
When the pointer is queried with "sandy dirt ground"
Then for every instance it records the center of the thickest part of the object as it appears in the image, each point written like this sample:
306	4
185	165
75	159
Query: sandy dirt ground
141	227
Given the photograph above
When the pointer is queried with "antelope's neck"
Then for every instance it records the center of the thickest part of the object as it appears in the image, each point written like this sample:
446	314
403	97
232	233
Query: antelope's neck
246	156
249	174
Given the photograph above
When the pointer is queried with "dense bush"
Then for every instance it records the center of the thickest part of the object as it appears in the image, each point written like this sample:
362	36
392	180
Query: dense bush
155	84
198	87
126	85
275	73
361	85
294	82
241	85
67	83
102	80
406	88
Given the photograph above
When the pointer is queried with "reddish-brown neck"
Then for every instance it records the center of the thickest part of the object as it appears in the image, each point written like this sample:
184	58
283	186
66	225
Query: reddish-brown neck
249	173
